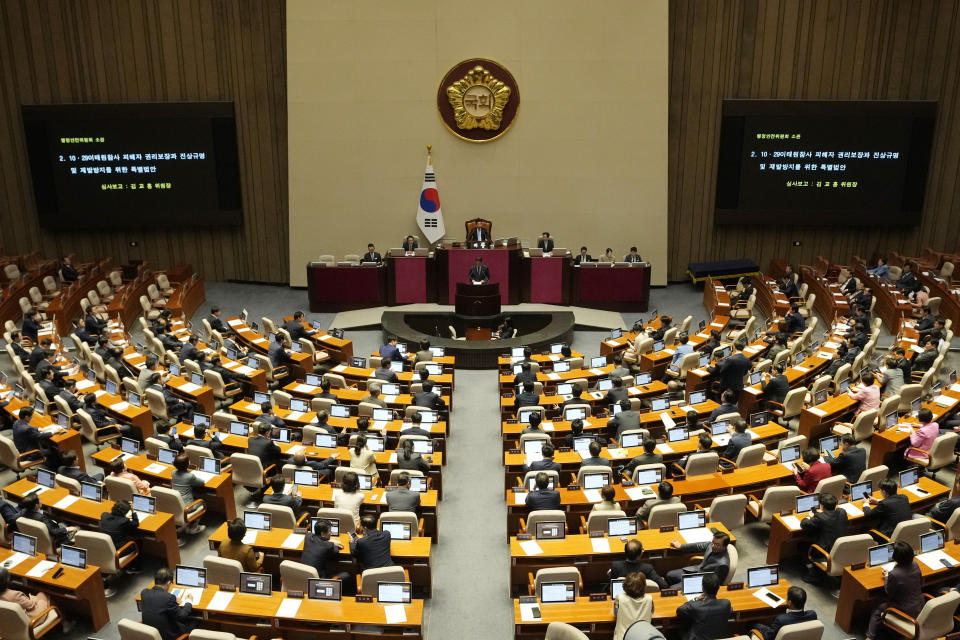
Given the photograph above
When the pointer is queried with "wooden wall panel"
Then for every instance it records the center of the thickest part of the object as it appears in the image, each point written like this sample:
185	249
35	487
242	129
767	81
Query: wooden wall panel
806	49
70	51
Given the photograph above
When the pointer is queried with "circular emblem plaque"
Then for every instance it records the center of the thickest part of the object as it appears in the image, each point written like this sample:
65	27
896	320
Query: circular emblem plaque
478	100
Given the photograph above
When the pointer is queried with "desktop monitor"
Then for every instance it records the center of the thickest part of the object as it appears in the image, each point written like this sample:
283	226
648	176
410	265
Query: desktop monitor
659	404
932	541
418	484
306	477
318	589
429	417
259	397
144	504
767	576
210	465
615	333
299	404
595	480
91	491
648	476
128	445
629	440
829	444
238	429
616	409
258	584
758	419
564	389
725	353
22	543
891	419
704	360
358	362
333	523
677	435
394	592
253	363
375	444
554	592
517	352
658	345
187	576
556	349
433	369
820	396
861	490
531	482
598	362
39	408
616	587
73	557
581	444
110	387
551	530
691	520
604	385
396	366
201	419
339	411
365	480
45	478
282	435
755	377
397	530
643	378
800	358
561	366
133	399
166	456
574	413
909	477
63	420
807	502
719	427
622	527
196	379
953	377
438	352
701	325
844	386
312	379
389	389
880	555
257	520
916	405
423	447
326	441
692	584
697	397
790	454
533	446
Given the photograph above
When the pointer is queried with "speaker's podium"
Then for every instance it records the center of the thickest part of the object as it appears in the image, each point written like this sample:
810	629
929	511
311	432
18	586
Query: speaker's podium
477	299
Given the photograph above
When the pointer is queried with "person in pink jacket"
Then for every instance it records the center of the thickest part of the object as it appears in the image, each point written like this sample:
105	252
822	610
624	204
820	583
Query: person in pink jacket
921	440
868	395
31	605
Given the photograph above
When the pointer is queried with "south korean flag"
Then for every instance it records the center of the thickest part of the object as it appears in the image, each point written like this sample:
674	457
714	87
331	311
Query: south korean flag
429	215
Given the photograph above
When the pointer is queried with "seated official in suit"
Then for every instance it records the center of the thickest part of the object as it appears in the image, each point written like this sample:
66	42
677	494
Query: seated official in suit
824	525
373	396
122	525
594	459
852	459
542	497
738	440
478	234
903	587
199	439
633	605
423	353
776	386
545	242
71	469
632	563
295	327
582	257
162	433
527	397
892	509
189	351
409	459
278	353
216	323
59	533
626	420
479	272
633	256
160	610
184	482
729	400
547	464
664	496
608	493
715	559
942	511
277	497
428	397
707	616
813	470
410	245
385	373
319	550
649	456
402	498
372	549
795	613
390	351
371	255
616	393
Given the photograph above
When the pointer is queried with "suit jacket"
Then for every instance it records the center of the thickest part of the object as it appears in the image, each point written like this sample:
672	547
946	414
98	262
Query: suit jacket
380	402
718	563
644	512
278	355
479	273
809	479
120	528
942	511
541	499
387	375
707	618
188	352
172	443
614	396
546	246
770	631
296	330
737	442
722	410
78	474
850	463
57	531
632	258
924	361
904	587
372	550
372	257
9	513
294	502
159	609
213	444
36	355
623	421
71	399
31	328
265	449
402	499
730	372
317	552
414	463
826	527
547	464
423	356
27	438
582	258
428	399
525	399
524	376
622	568
643	458
217	324
478	234
776	389
888	513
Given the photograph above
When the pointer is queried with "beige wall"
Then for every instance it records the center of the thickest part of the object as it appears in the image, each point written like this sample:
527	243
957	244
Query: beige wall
585	159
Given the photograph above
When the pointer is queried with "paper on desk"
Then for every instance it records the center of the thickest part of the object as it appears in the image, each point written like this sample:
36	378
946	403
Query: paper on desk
916	349
395	613
600	545
295	415
245	370
204	475
596	372
526	613
826	355
667	420
612	343
597	395
831	344
701	372
618	453
253	406
637	493
531	548
155	467
700	534
383	498
220	601
553	376
235	322
289	607
722	440
393	457
793	522
389	399
751	350
763	594
99	392
41	568
340	367
955	388
15	559
325	337
917	491
664	448
944	401
295	449
932	559
716	325
817	412
189	387
554	357
65	503
852	509
120	406
533	456
592	495
83	385
250	537
188	595
546	426
797	367
520	498
703	335
304	388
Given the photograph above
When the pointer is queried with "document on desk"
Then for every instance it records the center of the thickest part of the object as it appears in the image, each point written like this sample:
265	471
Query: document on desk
852	509
600	545
553	376
250	537
955	388
393	457
252	406
120	406
596	372
220	601
295	449
378	425
41	568
394	613
235	322
526	613
722	440
817	412
155	467
520	498
618	453
768	597
664	448
340	367
389	399
65	503
531	548
793	522
638	493
701	372
245	370
83	385
206	476
554	357
296	415
612	343
15	559
188	387
936	560
700	534
546	426
800	369
293	541
667	420
289	607
592	495
944	401
831	344
917	491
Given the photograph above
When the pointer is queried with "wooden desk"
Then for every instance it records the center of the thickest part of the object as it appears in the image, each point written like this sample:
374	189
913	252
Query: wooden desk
340	349
769	299
362	377
138	417
784	540
187	297
158	532
597	617
889	442
815	422
830	303
413	555
579	550
65	440
63	308
78	591
315	619
217	493
616	287
891	305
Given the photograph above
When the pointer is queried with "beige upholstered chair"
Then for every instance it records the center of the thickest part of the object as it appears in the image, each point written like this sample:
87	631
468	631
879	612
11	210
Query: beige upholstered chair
130	630
934	621
222	570
294	575
102	553
728	510
846	550
564	631
529	525
555	574
17	626
371	578
775	500
597	520
664	515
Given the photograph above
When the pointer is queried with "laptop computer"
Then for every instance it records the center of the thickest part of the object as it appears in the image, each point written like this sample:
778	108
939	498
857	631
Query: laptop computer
319	589
74	557
691	520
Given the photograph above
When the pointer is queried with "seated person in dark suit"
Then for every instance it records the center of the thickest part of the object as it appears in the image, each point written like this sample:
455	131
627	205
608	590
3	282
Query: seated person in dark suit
216	323
649	456
633	256
279	356
189	349
824	526
575	398
852	459
122	529
632	564
794	321
775	387
295	327
738	440
160	610
385	373
626	420
32	324
319	550
478	234
582	257
729	399
71	469
616	393
268	416
664	496
371	255
22	353
545	242
795	613
594	460
479	272
542	497
533	426
526	374
923	361
410	244
27	438
277	497
162	433
325	468
30	508
706	615
68	272
885	514
715	559
428	397
547	464
69	394
373	549
264	448
942	511
213	444
730	371
527	398
402	498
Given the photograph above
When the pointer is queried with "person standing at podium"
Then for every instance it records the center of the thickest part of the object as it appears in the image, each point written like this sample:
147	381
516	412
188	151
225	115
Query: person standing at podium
479	272
545	242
